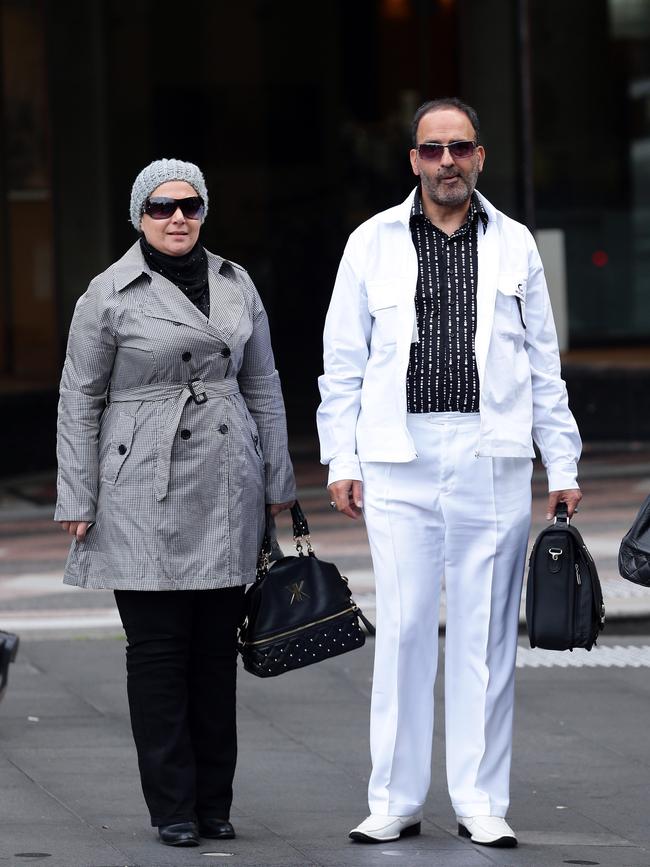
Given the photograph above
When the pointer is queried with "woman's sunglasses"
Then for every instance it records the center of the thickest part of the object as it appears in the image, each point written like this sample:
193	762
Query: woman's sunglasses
432	152
162	207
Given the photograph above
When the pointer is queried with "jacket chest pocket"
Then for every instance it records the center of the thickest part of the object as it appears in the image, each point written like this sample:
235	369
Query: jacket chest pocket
382	306
510	304
120	447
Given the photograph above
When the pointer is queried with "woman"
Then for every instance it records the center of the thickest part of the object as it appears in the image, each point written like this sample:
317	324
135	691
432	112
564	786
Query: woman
171	440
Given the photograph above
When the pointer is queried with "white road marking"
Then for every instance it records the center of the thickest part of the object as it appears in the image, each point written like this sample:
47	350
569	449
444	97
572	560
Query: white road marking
612	656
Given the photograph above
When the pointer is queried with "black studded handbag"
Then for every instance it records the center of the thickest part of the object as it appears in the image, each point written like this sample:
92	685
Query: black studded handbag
298	611
634	552
564	599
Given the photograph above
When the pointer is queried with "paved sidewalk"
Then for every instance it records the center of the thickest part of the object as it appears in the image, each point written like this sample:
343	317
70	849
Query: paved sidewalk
32	549
69	787
70	793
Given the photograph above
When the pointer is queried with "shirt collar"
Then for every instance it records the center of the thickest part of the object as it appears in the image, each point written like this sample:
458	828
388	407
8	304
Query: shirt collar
476	210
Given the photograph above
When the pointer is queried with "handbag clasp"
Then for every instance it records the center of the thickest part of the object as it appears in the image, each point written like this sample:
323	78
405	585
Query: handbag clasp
555	553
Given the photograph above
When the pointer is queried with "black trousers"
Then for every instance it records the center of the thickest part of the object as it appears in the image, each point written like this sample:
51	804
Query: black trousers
181	662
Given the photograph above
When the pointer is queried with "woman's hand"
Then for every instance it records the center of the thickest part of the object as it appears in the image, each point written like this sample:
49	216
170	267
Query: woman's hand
276	508
76	528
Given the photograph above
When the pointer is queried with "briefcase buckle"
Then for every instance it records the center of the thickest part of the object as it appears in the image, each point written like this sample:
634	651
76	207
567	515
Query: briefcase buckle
555	553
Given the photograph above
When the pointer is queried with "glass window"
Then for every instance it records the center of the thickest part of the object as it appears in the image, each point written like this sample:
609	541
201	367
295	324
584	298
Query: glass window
28	333
592	158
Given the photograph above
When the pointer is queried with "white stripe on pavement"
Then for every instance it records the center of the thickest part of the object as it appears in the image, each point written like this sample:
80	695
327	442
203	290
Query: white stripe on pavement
81	618
615	656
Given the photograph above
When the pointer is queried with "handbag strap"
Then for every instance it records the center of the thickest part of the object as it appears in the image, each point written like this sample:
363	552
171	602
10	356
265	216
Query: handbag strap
300	535
300	525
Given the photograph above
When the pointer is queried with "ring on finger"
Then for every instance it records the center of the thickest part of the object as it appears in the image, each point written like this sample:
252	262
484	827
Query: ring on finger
332	504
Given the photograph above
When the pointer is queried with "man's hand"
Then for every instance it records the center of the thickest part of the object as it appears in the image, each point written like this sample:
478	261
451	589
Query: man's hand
276	508
348	496
77	529
571	497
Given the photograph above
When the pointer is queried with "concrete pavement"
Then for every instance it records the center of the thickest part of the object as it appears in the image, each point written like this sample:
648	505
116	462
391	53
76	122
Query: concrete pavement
69	788
70	794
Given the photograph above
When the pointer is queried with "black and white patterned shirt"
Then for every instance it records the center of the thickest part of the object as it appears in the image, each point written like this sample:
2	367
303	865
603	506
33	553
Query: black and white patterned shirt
442	374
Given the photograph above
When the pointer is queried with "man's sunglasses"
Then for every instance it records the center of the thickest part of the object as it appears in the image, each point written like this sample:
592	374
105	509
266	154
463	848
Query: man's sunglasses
162	207
432	152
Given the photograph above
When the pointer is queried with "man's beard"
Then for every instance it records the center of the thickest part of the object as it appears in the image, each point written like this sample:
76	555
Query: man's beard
448	196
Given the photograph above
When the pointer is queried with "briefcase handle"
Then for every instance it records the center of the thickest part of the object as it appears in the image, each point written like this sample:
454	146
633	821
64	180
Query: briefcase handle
562	514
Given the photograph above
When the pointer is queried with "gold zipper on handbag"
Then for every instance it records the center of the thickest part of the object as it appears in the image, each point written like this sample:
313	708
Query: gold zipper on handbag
300	628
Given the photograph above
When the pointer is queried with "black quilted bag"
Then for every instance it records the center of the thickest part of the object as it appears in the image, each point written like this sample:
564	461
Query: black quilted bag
299	610
634	553
564	599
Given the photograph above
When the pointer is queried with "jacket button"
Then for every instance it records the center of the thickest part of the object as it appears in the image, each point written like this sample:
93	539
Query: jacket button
223	428
225	352
122	449
186	356
186	434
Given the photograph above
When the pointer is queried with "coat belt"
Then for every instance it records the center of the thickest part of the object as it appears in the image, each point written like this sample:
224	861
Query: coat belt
195	389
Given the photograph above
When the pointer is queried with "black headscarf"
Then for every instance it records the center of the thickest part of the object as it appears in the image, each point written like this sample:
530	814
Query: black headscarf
189	272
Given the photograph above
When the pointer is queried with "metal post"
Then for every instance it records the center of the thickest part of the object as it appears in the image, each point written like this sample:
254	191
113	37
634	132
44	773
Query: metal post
526	112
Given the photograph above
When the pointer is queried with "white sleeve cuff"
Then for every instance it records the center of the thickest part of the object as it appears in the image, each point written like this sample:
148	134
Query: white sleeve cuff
563	477
344	467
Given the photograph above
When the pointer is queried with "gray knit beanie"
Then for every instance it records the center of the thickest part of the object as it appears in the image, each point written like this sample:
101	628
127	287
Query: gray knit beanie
159	172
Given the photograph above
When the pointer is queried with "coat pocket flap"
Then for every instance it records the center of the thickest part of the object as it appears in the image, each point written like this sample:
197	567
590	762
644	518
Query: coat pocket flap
381	295
121	442
512	283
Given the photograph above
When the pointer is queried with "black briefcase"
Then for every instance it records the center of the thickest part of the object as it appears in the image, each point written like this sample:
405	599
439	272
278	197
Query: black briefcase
299	610
564	599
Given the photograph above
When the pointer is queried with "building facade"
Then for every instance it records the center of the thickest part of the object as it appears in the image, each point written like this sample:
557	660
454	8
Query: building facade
299	117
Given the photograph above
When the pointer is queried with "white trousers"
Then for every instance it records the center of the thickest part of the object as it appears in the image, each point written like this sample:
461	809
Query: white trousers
448	512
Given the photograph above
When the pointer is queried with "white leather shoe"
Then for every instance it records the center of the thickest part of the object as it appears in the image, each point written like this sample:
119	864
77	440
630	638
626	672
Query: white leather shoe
383	829
487	831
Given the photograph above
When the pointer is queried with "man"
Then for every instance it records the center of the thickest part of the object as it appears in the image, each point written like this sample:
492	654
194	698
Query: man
441	367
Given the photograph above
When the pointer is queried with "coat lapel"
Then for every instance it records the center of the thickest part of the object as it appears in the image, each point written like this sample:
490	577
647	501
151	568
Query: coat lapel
166	301
488	274
226	297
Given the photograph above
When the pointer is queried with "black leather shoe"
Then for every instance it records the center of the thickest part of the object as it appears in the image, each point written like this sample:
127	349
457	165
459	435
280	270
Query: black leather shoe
179	834
216	829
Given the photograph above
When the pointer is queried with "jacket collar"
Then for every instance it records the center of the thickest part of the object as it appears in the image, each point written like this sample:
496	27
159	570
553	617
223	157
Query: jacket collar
402	213
226	297
133	265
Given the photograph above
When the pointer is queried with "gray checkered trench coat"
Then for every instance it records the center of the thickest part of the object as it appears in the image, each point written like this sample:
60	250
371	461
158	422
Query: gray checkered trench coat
175	478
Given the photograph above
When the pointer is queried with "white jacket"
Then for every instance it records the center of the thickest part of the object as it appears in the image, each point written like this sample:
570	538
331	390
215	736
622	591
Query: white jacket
371	324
